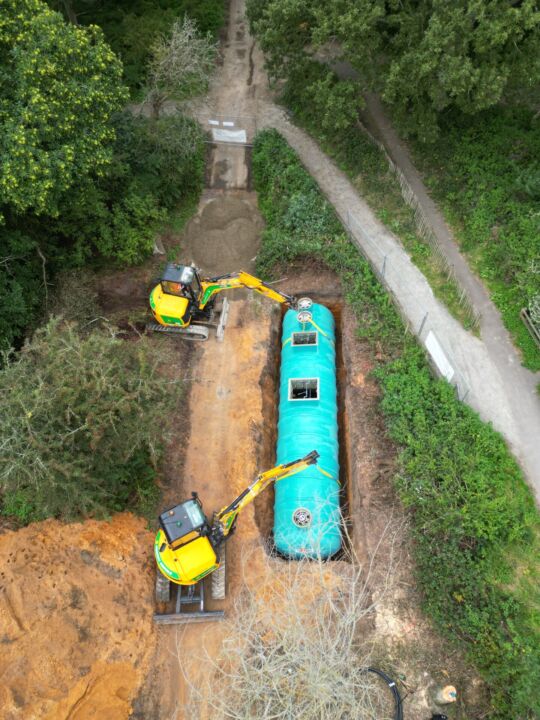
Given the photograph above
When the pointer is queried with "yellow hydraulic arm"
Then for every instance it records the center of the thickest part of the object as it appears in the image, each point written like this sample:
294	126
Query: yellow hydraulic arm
241	279
225	518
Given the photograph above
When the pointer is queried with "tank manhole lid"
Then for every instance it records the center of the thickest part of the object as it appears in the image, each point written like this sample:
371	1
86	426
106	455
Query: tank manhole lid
302	517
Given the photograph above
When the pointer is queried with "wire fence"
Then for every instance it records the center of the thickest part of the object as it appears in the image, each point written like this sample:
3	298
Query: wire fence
389	272
425	231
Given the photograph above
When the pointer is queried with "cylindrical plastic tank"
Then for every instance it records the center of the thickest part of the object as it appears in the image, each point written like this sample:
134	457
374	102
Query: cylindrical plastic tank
306	508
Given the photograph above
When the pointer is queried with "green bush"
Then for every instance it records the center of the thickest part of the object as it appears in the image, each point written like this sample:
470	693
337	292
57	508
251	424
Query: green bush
475	526
164	157
82	423
129	235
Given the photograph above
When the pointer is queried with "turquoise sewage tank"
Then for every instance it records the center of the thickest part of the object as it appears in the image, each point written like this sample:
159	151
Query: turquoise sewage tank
306	509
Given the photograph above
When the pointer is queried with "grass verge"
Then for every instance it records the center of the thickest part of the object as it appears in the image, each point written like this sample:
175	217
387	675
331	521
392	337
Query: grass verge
475	526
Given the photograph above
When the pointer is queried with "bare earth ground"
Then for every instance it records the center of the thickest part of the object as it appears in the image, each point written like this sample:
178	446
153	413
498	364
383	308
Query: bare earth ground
75	629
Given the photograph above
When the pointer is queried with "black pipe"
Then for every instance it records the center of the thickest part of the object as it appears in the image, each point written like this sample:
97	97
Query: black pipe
393	689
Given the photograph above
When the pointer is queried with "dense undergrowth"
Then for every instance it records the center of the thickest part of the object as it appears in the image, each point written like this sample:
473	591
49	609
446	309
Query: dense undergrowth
82	181
474	522
486	174
328	109
81	421
131	26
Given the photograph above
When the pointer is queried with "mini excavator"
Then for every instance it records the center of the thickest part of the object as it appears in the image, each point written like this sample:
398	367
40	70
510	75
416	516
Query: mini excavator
183	303
188	547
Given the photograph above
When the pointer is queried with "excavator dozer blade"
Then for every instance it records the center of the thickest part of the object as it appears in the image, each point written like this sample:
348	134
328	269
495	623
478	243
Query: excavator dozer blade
191	597
223	317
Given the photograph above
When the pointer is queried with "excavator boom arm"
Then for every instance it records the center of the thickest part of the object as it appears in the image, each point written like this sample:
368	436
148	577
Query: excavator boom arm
227	515
241	279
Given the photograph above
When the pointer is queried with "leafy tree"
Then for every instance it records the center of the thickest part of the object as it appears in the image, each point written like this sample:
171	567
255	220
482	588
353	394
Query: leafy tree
180	64
59	85
458	55
81	421
425	56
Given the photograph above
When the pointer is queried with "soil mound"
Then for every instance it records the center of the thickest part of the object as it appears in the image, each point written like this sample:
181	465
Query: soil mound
224	236
75	618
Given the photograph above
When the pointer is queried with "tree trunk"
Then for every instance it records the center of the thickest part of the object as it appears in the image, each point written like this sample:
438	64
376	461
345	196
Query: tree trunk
70	12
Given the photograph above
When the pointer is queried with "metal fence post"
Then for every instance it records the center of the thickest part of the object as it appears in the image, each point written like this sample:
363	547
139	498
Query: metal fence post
422	324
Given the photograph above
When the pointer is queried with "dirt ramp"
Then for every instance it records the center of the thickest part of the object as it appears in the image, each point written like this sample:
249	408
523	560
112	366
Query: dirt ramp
75	618
224	236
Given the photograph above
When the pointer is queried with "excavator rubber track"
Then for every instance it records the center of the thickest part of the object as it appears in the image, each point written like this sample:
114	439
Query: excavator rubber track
218	577
199	330
192	332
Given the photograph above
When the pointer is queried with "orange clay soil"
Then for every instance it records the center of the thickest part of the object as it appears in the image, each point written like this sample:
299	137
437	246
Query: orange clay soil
75	618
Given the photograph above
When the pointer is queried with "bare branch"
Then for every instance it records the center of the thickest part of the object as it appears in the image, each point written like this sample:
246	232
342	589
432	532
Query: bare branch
181	64
298	642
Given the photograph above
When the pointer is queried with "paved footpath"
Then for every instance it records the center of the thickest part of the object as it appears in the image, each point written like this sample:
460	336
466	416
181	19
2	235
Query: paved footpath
488	371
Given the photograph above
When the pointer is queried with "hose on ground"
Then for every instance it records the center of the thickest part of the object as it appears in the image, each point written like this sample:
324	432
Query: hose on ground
393	689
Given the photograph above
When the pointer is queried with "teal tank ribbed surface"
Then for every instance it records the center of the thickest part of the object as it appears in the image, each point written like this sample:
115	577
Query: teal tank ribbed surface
306	508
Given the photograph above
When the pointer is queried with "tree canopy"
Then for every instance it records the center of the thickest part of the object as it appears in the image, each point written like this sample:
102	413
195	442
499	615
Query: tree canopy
59	86
426	57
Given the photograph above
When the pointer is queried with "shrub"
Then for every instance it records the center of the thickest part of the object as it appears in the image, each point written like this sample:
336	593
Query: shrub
81	421
129	234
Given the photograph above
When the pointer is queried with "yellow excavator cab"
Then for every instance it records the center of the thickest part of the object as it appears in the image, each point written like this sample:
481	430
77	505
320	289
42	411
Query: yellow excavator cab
187	565
183	551
169	309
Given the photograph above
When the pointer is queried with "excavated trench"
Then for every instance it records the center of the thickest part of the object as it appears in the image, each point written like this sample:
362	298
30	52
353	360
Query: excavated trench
269	383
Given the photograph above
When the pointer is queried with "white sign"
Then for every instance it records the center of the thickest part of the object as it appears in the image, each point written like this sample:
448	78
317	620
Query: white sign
233	136
438	356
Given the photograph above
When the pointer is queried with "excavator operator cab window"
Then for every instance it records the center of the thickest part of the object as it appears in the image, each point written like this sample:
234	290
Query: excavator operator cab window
177	279
183	523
